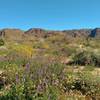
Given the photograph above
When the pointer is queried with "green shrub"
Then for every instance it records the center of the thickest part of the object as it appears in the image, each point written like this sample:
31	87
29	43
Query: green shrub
86	58
1	42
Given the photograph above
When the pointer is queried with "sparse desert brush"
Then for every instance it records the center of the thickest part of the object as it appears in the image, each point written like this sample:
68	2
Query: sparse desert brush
53	67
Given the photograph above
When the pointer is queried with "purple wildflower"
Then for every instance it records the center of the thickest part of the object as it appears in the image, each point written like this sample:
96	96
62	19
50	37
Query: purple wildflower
17	78
40	72
27	67
39	88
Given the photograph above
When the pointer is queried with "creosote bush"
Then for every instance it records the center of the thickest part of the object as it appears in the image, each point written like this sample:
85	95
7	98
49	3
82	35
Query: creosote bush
86	58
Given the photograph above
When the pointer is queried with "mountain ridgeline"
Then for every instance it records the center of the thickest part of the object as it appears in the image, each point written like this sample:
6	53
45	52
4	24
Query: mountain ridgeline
38	32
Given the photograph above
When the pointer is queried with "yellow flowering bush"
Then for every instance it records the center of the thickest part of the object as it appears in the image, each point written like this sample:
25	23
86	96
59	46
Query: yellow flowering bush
25	50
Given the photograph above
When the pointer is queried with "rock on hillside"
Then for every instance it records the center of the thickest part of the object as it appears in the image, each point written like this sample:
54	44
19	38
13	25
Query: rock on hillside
37	32
12	34
95	33
78	33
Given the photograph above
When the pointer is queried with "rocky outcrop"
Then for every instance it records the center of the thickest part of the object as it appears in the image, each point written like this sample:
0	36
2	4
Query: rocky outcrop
36	32
12	34
95	33
78	33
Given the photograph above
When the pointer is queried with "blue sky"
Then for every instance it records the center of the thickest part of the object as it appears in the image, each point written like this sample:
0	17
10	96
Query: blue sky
49	14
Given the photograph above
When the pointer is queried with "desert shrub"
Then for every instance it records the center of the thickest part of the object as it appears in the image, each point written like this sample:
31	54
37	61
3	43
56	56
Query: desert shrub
2	42
86	58
22	50
17	58
68	51
85	83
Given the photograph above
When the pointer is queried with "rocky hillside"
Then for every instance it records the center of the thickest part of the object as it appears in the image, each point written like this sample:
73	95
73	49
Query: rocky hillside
17	34
12	34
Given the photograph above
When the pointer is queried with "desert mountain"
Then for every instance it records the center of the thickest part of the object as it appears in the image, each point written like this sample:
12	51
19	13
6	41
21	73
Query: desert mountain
16	34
